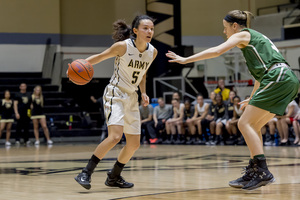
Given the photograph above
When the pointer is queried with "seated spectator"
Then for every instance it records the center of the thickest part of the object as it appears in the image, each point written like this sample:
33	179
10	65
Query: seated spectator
205	123
200	112
174	124
222	89
161	113
296	127
6	112
229	108
231	127
220	119
188	113
270	139
146	113
283	122
176	95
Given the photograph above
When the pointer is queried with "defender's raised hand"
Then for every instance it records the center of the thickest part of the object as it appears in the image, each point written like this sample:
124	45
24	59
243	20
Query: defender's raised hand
175	58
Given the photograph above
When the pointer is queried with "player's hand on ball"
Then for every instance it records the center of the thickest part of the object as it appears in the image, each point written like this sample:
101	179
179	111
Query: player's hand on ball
175	58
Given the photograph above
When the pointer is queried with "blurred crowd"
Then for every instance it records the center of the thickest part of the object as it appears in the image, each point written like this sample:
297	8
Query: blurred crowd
212	121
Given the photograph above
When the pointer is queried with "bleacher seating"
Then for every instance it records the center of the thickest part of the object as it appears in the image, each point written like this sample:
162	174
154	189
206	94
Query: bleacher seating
56	106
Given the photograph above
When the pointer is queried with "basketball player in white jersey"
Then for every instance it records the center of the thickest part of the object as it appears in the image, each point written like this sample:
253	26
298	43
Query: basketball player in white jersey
133	58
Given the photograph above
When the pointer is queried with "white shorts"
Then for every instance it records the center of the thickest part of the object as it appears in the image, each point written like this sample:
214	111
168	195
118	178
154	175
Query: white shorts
122	109
221	120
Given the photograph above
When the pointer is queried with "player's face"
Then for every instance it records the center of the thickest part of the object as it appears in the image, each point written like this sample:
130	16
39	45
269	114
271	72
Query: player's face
145	30
228	29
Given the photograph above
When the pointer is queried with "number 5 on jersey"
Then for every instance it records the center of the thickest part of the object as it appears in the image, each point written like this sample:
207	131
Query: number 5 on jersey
135	76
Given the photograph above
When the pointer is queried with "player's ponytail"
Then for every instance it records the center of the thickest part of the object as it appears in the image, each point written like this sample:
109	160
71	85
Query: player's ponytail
249	18
121	31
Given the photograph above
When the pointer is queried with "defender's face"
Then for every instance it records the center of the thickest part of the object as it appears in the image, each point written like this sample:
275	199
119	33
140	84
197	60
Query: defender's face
228	29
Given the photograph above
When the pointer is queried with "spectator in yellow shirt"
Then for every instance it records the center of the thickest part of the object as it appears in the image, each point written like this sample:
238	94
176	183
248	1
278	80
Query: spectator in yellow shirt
221	88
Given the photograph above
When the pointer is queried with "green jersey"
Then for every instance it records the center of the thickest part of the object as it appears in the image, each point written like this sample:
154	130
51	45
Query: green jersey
260	54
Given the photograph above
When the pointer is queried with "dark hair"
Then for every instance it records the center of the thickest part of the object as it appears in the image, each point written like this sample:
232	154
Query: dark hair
242	18
121	30
236	97
220	94
199	95
136	22
187	101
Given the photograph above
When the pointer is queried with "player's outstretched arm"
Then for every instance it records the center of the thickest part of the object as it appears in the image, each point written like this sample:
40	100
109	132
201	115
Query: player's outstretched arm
241	38
117	49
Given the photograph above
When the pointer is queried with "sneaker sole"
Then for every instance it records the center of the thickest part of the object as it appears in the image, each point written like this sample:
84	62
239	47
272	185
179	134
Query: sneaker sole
116	185
263	183
236	186
83	185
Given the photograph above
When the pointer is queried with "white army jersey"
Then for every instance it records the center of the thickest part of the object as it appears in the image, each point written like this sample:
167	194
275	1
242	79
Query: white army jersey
130	68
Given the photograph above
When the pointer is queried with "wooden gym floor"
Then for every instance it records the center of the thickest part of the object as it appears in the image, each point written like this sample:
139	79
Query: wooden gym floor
158	172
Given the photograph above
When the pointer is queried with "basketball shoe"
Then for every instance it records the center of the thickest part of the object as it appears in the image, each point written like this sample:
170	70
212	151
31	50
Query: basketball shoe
117	181
84	179
261	177
248	172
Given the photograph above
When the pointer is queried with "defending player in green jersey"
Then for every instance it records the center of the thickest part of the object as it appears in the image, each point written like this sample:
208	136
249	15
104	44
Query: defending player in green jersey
275	87
271	70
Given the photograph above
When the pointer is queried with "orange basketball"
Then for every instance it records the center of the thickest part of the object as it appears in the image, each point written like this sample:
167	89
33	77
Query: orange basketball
80	72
